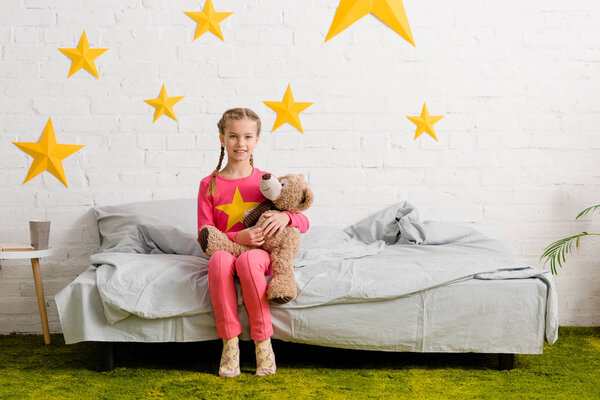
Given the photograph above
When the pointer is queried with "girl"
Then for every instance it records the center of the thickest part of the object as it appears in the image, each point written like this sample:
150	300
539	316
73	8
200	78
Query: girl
222	199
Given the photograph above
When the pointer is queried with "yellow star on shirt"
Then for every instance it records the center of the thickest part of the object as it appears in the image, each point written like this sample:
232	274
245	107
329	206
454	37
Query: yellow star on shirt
164	104
47	154
208	20
391	12
287	110
83	56
425	123
235	210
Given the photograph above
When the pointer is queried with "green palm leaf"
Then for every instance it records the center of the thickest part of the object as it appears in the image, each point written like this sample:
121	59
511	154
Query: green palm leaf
557	252
588	210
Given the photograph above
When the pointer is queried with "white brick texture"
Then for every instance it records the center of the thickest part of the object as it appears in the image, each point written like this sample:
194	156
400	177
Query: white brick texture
517	82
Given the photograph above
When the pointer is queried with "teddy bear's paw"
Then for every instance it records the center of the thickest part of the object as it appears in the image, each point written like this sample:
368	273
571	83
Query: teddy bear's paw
280	293
281	300
203	238
210	239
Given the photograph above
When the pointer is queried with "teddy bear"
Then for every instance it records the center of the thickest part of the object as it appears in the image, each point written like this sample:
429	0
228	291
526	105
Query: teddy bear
287	193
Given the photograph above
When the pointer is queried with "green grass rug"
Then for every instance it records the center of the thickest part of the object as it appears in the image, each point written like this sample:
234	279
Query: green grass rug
570	369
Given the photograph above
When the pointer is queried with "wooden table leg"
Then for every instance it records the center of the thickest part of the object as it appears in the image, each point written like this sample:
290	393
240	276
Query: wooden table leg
39	291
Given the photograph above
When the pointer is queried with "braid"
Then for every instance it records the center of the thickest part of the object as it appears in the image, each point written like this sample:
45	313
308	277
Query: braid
252	160
212	187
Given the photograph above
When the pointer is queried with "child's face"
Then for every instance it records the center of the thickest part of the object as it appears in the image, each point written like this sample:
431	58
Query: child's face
240	139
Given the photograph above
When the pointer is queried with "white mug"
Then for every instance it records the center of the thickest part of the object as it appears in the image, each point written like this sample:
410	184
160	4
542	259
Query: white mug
39	233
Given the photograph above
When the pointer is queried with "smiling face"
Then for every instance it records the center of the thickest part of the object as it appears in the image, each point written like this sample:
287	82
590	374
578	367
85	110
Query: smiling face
239	139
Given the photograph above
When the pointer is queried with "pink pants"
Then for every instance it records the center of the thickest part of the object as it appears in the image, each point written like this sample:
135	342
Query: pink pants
251	268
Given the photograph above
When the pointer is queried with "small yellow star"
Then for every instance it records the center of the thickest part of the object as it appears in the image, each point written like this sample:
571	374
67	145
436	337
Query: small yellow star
425	122
164	104
208	20
47	154
287	110
391	12
83	56
235	210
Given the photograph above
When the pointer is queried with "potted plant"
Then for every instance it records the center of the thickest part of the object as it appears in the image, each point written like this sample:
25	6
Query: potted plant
557	251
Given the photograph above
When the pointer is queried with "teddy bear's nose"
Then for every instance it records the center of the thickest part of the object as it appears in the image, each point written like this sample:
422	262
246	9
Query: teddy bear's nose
266	177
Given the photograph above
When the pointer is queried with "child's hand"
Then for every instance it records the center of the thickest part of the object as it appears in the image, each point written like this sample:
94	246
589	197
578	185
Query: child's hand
252	236
274	222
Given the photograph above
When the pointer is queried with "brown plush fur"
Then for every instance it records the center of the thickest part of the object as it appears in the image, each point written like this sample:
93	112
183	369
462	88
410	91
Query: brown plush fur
295	196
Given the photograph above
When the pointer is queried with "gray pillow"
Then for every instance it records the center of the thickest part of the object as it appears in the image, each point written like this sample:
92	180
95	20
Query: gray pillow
400	224
384	225
159	239
114	222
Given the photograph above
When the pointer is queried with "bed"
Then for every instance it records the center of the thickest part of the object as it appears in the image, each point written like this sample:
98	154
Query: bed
389	282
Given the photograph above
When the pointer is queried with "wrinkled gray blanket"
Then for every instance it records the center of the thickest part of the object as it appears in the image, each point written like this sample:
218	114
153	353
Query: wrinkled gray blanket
158	271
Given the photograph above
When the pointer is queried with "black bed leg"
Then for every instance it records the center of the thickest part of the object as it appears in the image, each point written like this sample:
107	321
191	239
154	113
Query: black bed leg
506	361
108	356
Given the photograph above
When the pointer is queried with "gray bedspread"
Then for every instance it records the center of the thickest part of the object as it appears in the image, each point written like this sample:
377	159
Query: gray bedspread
159	271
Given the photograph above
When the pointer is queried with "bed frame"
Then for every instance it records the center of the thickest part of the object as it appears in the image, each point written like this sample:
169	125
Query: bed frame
109	350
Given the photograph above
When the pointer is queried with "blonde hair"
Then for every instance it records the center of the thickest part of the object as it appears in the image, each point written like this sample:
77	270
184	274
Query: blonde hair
231	114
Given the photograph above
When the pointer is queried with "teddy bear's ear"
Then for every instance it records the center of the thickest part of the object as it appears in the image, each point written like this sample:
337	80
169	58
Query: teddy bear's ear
307	199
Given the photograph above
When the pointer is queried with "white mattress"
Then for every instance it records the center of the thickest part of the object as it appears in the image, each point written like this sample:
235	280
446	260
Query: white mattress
483	316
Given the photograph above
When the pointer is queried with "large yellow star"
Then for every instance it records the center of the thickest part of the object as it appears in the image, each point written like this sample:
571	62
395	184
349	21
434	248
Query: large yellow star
47	154
391	12
164	104
235	210
208	20
83	56
425	123
287	110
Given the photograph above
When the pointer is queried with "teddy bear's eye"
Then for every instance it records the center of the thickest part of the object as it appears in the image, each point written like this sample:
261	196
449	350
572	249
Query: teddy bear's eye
283	182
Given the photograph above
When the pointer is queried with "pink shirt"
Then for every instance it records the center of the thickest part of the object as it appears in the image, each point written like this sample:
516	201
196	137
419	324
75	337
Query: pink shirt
234	196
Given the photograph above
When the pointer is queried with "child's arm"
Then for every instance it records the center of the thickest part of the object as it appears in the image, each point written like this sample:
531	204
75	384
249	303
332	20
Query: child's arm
298	220
205	216
275	222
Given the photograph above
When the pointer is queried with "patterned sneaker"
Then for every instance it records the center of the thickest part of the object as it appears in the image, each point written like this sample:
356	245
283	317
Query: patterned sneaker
230	358
265	358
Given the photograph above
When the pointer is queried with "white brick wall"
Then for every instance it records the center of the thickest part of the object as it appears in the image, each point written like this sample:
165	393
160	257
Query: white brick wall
518	153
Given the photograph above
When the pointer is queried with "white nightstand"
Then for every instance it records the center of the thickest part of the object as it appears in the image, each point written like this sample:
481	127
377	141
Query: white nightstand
35	256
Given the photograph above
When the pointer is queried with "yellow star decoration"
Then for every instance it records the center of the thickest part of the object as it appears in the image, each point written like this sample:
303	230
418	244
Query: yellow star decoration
425	123
208	20
235	210
287	110
47	154
164	104
391	12
83	56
